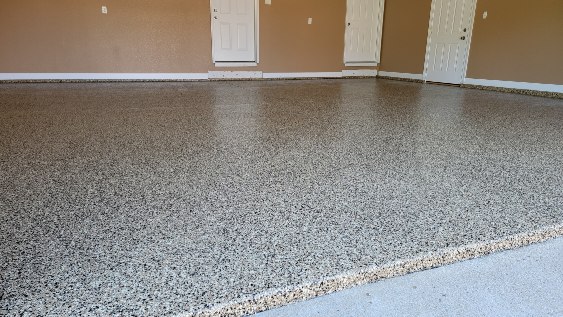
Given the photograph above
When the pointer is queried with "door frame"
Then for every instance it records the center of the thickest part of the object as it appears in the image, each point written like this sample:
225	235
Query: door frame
256	39
378	37
469	36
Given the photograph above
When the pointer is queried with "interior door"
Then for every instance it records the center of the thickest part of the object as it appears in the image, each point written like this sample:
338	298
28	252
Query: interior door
233	28
451	22
363	31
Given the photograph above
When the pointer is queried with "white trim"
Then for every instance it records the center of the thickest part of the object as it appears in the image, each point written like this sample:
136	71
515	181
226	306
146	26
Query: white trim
256	34
211	30
235	64
103	76
303	75
234	75
428	38
400	75
514	85
353	64
469	37
379	31
257	30
359	73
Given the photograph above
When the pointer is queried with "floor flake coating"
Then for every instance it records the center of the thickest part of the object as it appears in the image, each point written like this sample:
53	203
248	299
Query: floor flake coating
226	198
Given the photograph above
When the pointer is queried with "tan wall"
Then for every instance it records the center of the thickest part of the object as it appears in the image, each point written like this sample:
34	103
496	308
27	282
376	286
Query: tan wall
405	30
289	44
521	40
166	36
73	36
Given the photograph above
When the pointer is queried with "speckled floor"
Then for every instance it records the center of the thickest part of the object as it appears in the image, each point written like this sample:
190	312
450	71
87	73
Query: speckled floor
219	198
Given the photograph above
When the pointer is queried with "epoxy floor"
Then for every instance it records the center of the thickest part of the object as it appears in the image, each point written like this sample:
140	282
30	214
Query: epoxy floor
172	198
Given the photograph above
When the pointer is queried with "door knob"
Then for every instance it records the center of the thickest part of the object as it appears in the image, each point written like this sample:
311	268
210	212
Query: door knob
463	38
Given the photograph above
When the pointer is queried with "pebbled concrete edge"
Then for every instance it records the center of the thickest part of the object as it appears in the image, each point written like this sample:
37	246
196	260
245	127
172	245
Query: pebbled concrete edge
537	93
527	92
401	79
283	296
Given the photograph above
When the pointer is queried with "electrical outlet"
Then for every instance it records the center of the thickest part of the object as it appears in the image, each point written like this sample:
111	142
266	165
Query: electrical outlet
268	2
485	14
104	10
310	21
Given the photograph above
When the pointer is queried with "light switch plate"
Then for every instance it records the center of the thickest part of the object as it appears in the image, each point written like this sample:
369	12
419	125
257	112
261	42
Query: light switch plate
268	2
310	21
485	14
104	10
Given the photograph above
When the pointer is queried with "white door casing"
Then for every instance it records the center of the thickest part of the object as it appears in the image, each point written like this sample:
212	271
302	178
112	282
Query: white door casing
233	30
449	38
364	24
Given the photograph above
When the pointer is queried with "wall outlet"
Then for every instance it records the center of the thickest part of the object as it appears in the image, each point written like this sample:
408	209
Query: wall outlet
104	10
269	2
485	14
310	21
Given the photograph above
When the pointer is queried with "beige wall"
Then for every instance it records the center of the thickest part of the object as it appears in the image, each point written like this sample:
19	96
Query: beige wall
289	44
73	36
521	40
162	36
405	30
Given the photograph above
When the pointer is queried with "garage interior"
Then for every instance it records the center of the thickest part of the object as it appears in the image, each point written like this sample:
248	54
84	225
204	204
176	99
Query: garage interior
146	169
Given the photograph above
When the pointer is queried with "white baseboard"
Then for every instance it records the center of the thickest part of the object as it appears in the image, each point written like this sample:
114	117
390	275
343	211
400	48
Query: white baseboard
514	85
400	75
260	75
184	76
234	75
303	75
352	64
235	64
359	73
103	76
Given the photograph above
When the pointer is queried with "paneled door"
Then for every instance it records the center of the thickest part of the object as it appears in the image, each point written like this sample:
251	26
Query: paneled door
451	22
364	21
233	30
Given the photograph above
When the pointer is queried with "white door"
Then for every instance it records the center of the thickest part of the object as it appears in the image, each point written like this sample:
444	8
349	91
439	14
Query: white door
451	22
233	28
364	21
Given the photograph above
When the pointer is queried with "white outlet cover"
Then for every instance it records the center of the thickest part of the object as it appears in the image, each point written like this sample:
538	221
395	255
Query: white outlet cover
310	21
485	14
104	10
268	2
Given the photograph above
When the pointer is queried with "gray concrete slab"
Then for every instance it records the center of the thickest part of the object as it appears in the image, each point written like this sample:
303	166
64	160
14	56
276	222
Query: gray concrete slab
522	282
222	198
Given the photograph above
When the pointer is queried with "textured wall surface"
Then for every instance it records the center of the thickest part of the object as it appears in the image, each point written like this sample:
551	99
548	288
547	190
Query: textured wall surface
405	30
74	36
161	36
519	41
